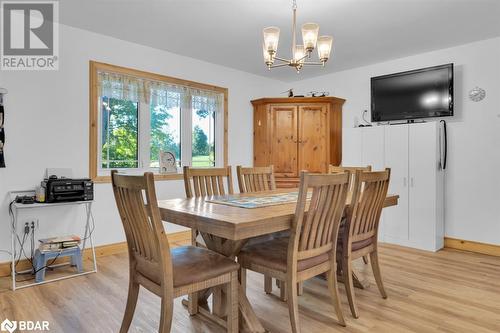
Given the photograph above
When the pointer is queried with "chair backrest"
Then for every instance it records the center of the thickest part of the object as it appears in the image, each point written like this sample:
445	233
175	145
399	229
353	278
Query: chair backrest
255	179
315	232
200	182
367	201
351	169
146	239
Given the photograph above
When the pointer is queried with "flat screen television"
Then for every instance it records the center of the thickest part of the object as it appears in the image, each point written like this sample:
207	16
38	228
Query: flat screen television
421	93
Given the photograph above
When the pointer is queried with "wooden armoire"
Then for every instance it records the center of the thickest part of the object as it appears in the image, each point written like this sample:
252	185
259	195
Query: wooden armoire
298	133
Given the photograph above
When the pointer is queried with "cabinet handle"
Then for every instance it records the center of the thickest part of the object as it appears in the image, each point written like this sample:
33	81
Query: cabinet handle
404	181
411	181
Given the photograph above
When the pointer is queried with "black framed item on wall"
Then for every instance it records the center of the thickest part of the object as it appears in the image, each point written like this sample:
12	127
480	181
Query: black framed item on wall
2	129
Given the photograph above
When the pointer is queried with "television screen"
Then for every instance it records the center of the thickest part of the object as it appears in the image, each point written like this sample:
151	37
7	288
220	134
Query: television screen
421	93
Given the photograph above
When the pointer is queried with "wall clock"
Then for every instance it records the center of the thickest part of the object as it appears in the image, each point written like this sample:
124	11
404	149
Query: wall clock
167	162
477	94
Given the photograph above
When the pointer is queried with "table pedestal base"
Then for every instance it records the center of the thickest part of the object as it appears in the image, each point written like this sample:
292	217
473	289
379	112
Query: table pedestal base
249	322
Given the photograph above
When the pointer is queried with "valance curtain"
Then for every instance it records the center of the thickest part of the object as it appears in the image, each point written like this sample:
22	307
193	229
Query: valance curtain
121	86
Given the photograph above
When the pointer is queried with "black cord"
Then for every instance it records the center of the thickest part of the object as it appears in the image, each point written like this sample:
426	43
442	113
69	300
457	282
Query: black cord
21	244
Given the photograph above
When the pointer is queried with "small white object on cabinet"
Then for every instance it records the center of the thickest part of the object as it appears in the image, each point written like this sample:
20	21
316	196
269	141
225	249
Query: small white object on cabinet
413	153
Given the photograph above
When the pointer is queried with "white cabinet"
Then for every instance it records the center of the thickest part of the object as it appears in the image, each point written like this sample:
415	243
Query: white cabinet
396	222
426	189
412	151
373	147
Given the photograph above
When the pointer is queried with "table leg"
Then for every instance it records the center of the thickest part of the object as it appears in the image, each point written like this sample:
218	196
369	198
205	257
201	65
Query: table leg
358	283
249	322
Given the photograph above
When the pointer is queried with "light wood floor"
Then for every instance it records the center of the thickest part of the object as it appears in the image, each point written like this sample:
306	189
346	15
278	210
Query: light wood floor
448	291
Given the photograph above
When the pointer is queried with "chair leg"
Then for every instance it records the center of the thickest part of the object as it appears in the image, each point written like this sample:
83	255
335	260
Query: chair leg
133	294
243	279
193	304
293	305
334	292
194	235
365	259
349	285
232	304
377	274
268	284
300	288
167	307
283	291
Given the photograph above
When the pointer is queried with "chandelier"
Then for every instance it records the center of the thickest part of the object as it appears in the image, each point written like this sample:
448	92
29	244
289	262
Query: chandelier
299	52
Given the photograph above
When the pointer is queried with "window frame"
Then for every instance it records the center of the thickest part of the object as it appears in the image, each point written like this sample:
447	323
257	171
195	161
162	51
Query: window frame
221	137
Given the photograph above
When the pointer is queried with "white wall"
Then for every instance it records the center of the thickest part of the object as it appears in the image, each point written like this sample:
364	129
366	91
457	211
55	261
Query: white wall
47	115
47	126
472	204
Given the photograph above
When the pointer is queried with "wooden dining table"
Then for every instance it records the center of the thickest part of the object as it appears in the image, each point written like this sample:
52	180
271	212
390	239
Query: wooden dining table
226	229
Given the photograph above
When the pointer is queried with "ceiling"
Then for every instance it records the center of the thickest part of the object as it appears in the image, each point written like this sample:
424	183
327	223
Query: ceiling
229	32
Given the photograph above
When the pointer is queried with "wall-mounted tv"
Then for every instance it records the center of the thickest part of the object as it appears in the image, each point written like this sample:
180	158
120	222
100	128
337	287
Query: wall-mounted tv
421	93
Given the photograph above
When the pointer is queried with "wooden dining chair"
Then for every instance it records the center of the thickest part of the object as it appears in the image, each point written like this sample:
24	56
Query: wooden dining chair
201	182
258	179
352	170
255	179
166	273
358	236
311	248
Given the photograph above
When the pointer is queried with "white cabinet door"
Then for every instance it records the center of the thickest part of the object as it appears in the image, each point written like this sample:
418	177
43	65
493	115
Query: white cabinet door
352	146
423	172
396	222
373	147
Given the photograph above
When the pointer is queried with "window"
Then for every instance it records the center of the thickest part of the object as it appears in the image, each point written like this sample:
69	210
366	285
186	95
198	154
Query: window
136	115
203	115
119	134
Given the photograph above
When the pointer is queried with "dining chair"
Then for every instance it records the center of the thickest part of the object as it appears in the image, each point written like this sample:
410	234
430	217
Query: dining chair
255	179
358	236
201	182
352	170
258	179
311	248
154	266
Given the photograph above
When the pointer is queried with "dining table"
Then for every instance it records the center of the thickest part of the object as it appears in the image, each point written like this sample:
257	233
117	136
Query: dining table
226	228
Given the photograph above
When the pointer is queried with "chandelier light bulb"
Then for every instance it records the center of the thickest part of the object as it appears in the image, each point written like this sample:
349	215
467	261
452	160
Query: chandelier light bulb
268	59
324	47
310	35
271	38
299	54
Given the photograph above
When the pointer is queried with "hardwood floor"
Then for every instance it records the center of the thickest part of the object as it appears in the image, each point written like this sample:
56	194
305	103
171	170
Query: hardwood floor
448	291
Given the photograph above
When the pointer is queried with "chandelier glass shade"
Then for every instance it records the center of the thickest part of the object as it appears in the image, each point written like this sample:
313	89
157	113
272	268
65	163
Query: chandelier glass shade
300	53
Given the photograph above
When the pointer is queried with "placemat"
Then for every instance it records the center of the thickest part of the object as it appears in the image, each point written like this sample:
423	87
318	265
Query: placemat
258	201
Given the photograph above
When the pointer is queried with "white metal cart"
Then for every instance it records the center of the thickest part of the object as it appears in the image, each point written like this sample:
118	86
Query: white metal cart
18	207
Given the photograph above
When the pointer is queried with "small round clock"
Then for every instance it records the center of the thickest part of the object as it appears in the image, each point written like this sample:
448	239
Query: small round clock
477	94
167	162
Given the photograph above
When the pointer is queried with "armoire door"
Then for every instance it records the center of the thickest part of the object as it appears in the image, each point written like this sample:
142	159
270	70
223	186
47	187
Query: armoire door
314	143
284	140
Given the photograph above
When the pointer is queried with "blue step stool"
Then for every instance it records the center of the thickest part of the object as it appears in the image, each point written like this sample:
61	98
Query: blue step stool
41	259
